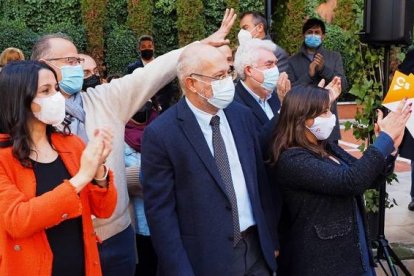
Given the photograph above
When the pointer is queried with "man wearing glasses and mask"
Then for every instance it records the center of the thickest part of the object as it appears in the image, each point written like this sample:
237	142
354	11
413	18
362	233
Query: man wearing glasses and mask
201	168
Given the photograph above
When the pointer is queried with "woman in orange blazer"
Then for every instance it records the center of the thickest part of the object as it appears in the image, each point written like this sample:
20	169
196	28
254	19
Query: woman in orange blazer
50	183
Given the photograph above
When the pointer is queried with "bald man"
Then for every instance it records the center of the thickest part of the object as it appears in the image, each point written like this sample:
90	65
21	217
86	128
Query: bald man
112	105
228	53
91	77
201	165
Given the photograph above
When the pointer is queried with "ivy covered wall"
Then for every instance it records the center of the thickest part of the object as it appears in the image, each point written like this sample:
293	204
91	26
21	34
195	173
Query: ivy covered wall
108	29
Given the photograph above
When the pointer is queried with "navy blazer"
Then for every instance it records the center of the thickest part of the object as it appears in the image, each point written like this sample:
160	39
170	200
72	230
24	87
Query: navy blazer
243	97
132	66
186	204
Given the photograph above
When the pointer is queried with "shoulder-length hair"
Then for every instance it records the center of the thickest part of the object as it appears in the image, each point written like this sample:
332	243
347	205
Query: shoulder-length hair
300	104
18	88
10	54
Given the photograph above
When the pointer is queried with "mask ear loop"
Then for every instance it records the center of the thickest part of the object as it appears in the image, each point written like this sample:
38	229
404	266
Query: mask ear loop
254	78
202	91
253	30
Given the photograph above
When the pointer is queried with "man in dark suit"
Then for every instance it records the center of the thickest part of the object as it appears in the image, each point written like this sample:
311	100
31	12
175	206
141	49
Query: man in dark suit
201	165
313	63
167	95
261	87
256	26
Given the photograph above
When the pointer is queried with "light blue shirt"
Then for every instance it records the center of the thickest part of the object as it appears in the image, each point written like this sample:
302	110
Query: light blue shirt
133	158
244	207
262	102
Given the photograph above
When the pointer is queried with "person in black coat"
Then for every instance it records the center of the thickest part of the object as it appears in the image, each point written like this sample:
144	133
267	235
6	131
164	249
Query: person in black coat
169	94
407	145
323	225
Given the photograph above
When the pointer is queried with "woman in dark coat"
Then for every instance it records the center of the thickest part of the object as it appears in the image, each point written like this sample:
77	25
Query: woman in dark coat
323	229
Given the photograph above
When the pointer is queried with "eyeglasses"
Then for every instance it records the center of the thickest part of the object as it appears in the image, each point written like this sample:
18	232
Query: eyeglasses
222	77
69	60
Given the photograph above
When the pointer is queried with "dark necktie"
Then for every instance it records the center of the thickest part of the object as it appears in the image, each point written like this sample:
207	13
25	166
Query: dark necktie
222	162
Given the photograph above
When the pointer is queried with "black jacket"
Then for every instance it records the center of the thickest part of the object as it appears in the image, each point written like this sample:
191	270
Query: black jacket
319	233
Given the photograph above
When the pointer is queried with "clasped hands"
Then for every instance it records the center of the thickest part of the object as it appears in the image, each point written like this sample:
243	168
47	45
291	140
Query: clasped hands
93	159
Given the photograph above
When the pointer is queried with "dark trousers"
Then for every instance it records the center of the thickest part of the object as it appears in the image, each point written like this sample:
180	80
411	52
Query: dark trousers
147	259
248	259
118	255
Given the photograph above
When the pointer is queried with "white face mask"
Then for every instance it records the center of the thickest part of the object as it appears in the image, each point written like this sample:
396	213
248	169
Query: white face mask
322	127
270	78
52	109
244	35
223	92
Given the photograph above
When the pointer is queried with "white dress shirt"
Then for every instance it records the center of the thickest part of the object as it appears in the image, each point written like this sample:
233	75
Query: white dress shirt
262	102
244	207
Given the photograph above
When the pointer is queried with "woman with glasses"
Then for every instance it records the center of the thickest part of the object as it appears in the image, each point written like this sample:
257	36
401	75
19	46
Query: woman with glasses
323	228
50	183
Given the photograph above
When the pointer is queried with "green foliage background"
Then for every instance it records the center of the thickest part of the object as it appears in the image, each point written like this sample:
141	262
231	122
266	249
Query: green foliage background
108	29
103	27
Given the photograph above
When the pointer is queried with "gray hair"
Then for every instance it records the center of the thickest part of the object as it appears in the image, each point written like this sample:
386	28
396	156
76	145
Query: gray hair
247	54
41	48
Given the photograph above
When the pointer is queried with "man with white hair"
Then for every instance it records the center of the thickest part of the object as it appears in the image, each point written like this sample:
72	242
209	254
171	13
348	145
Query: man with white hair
201	182
261	88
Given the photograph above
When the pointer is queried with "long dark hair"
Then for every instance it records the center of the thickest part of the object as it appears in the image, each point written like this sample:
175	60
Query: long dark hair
18	88
300	104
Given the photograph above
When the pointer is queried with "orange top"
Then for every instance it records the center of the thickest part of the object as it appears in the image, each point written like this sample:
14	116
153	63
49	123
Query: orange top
24	248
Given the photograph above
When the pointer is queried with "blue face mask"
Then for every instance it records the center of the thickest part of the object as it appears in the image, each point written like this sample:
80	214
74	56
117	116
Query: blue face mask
313	41
72	79
270	78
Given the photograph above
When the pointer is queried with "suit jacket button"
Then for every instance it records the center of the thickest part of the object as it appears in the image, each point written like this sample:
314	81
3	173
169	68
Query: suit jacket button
17	247
231	238
65	216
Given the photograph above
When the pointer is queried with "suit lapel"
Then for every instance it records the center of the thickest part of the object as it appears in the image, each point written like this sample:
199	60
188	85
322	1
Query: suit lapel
193	132
251	103
274	103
